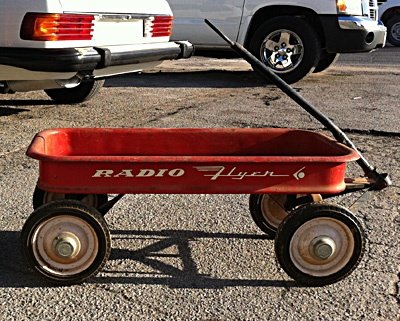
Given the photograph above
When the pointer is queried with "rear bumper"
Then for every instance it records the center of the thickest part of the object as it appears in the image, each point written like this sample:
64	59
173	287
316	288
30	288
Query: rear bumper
352	34
93	58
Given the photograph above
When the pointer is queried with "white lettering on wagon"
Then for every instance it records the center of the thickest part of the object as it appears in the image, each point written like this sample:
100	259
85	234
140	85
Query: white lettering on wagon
233	173
214	172
147	172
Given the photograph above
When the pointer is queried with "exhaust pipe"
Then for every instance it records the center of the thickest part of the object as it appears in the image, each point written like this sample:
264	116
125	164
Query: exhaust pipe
9	87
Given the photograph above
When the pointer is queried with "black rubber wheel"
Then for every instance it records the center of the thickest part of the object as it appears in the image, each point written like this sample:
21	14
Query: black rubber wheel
326	60
66	242
393	30
319	244
269	210
41	197
288	45
83	92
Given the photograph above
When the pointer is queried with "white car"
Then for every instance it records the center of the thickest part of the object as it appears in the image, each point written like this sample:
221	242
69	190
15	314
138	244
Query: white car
389	13
293	37
67	47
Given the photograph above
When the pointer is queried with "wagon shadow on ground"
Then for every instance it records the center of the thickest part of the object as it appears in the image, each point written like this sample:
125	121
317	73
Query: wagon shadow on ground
14	272
187	275
192	79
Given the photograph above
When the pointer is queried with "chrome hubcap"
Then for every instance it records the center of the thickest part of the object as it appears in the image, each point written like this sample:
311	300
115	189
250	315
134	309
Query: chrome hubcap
282	50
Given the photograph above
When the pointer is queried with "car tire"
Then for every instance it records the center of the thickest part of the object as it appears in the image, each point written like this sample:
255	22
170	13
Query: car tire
288	45
83	92
327	59
393	30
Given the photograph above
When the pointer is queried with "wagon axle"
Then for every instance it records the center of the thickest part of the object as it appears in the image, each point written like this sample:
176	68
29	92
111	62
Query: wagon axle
322	247
67	245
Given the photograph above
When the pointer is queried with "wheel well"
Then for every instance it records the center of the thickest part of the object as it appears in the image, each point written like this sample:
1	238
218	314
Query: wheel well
390	13
270	12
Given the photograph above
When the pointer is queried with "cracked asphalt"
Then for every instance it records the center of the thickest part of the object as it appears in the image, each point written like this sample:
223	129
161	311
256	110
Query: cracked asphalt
201	257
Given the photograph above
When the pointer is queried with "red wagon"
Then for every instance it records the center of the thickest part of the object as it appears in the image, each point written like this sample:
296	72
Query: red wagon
189	160
287	172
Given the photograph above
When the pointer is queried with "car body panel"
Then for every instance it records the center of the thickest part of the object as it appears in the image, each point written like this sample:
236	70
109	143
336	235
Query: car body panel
387	5
234	17
121	42
189	23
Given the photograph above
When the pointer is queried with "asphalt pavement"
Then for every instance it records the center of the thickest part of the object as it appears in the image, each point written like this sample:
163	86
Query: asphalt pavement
201	257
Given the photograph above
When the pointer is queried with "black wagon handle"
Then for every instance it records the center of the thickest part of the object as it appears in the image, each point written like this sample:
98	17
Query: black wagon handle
380	181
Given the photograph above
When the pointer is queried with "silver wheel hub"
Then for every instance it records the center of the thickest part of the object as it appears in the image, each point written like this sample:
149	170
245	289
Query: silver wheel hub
322	247
282	50
67	245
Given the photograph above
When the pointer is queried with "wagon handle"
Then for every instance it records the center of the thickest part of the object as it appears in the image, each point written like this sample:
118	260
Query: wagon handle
380	181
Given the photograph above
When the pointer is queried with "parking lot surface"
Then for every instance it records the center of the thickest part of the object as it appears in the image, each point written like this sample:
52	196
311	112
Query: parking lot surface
201	257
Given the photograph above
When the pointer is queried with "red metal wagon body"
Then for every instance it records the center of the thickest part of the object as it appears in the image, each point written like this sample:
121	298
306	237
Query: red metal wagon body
189	160
66	238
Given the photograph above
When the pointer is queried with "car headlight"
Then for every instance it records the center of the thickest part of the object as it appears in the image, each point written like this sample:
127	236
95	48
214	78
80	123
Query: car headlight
349	7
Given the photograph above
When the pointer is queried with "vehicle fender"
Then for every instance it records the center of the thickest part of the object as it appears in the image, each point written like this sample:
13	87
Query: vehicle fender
252	7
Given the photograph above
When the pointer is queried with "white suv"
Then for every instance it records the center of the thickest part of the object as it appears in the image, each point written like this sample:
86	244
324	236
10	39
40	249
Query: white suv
67	47
389	13
293	37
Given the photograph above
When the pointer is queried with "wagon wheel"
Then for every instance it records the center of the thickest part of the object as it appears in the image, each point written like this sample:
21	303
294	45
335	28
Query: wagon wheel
41	197
66	241
268	210
319	244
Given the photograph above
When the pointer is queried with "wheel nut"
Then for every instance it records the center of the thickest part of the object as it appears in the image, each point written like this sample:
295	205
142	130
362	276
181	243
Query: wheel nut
322	247
66	245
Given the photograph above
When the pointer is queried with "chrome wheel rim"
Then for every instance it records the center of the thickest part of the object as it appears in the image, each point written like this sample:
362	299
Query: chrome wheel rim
282	50
321	246
64	245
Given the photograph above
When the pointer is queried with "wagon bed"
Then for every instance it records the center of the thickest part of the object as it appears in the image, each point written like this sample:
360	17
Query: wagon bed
189	160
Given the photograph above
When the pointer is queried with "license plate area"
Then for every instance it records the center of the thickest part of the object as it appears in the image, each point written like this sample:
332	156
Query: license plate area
119	30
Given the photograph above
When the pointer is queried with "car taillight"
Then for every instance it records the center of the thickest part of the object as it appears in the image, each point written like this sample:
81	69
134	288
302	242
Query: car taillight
55	27
158	26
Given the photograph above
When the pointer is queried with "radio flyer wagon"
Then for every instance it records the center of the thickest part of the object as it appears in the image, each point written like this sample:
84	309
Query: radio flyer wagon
287	173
